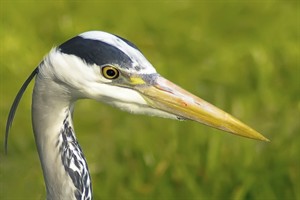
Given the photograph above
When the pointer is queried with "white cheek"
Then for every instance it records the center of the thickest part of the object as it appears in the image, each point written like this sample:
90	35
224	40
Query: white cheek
145	110
124	99
112	94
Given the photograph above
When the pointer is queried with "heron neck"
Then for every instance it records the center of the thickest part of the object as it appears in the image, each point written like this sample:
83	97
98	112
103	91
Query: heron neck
64	167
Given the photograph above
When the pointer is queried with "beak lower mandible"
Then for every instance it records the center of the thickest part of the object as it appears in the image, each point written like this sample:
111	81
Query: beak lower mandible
167	96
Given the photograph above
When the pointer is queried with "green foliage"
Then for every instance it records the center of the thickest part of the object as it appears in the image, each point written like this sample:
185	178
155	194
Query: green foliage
242	57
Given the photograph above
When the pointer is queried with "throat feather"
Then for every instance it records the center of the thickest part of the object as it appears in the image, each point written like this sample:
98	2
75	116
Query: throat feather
74	161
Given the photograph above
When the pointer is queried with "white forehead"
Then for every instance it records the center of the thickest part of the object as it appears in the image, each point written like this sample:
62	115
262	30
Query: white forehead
139	60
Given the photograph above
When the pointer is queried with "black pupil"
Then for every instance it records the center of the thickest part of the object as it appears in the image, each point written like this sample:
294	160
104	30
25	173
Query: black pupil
110	72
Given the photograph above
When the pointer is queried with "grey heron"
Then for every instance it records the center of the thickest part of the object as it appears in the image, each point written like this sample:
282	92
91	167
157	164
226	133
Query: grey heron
110	69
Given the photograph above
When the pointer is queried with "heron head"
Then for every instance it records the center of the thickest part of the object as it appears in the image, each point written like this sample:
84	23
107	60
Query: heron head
110	69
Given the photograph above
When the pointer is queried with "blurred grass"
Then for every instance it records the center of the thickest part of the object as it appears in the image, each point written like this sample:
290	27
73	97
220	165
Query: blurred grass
242	57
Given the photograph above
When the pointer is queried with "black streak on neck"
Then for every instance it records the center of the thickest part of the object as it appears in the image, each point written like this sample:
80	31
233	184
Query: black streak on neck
74	162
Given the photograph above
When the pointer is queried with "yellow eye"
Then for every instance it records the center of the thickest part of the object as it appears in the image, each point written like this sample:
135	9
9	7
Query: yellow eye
110	72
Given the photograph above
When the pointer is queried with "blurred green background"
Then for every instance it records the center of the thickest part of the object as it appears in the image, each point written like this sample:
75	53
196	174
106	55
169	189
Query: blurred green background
242	57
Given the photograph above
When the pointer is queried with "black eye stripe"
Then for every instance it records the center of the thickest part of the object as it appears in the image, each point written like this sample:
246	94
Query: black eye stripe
95	52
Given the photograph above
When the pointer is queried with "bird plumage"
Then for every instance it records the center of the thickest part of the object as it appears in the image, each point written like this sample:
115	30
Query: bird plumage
68	73
110	69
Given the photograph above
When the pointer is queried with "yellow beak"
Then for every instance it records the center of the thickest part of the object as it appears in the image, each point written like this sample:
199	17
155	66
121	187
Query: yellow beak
166	96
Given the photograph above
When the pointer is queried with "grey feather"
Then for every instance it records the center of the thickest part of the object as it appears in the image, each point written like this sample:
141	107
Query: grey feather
15	104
